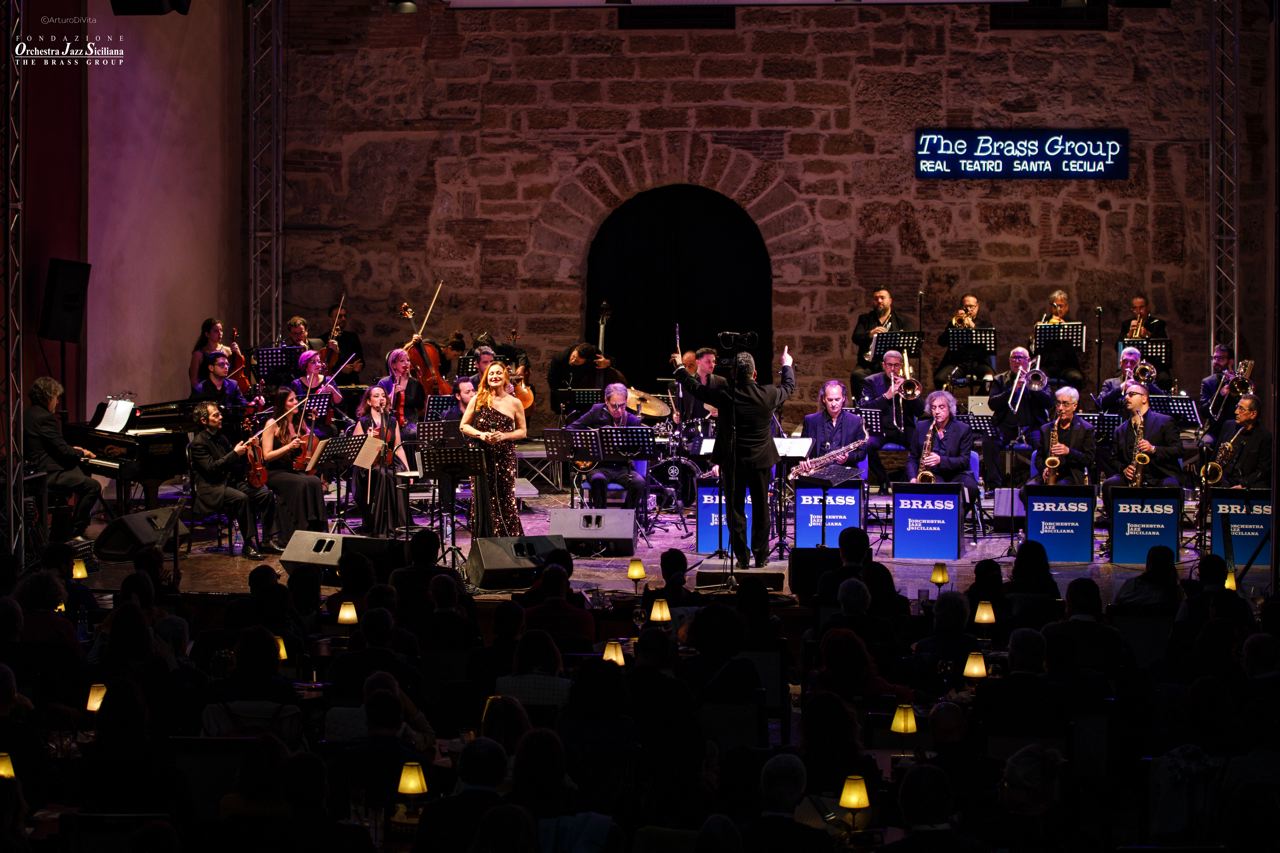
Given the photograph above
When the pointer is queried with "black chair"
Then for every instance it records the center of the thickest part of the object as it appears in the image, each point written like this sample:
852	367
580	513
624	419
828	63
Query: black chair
218	519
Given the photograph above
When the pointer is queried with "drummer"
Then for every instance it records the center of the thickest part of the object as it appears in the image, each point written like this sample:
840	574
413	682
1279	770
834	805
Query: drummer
613	413
688	408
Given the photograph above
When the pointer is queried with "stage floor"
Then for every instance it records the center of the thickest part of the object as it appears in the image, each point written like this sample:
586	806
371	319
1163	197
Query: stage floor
208	570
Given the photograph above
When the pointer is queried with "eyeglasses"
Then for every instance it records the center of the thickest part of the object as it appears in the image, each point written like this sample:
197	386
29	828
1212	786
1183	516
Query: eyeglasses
1065	404
1134	394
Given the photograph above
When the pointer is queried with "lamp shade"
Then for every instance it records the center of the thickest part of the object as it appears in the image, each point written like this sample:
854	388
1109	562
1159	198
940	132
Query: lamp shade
975	666
97	692
940	574
488	703
613	653
661	612
986	614
347	613
283	652
412	781
1231	580
78	570
635	570
904	720
854	793
6	766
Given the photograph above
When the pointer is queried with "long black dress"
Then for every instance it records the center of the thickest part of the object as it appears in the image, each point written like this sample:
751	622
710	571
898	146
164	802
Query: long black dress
300	497
493	504
381	503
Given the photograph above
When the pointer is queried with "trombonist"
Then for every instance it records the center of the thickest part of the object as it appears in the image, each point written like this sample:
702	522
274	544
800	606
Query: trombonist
881	318
1144	434
1219	393
1070	440
972	363
1020	401
897	398
950	447
1132	369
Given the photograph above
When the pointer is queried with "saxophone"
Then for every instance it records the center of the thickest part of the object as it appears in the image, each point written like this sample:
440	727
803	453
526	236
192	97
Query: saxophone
1211	474
820	461
1051	463
1140	460
924	475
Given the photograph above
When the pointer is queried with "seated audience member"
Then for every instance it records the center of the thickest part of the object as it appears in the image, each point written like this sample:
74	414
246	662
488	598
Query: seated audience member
1030	574
40	594
928	809
488	663
572	628
831	746
1092	645
60	558
1025	702
674	566
349	670
372	764
716	673
355	573
950	643
448	627
539	776
855	552
536	594
256	675
886	602
1156	589
310	825
1030	814
848	670
988	585
782	787
505	721
538	679
451	822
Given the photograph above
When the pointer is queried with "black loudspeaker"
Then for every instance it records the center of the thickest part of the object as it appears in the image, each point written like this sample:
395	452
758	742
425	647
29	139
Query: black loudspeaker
323	550
127	536
509	562
806	565
150	7
594	531
65	292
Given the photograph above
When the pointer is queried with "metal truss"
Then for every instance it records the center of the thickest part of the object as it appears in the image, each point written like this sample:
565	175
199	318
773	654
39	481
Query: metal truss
11	327
265	135
1224	172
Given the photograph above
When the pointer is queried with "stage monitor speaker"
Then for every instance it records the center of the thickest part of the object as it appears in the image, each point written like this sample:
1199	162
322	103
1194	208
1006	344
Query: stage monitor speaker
65	290
594	531
309	548
1008	505
127	536
509	562
806	565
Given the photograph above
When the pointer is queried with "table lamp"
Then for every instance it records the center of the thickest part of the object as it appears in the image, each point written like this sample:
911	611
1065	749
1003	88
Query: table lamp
985	614
975	666
940	576
97	692
661	612
635	572
613	653
854	798
347	613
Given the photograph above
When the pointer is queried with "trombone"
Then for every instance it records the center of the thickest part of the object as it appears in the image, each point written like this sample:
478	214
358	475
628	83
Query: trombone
1238	384
1035	378
906	388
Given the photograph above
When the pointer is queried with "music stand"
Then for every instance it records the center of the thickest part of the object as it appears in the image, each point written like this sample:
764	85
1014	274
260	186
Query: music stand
437	405
960	342
907	343
826	478
338	453
1158	351
1104	424
277	361
448	456
559	445
983	425
466	365
316	407
631	444
1057	333
790	451
870	419
1181	409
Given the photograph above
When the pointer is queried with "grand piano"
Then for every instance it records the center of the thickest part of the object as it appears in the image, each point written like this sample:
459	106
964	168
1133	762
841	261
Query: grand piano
136	444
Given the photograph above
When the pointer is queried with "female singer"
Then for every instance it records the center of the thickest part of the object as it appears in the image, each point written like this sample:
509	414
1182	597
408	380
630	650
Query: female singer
210	340
376	494
311	363
495	417
405	397
300	496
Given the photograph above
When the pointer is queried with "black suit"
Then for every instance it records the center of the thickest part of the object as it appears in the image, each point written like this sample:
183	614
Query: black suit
908	411
1154	326
1033	410
1225	409
1166	460
745	451
973	361
229	398
1250	464
1061	361
622	473
44	449
219	474
866	364
1081	438
828	435
689	406
954	447
1111	394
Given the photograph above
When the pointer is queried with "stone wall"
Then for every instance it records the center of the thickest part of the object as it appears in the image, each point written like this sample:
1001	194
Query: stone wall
486	148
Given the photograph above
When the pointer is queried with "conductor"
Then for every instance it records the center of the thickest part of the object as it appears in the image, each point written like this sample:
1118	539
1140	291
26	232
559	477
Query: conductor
744	447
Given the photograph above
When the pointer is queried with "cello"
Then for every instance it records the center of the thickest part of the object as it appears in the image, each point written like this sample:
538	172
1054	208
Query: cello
425	359
332	353
522	391
238	364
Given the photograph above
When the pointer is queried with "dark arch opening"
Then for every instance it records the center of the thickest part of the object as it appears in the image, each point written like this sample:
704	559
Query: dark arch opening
678	254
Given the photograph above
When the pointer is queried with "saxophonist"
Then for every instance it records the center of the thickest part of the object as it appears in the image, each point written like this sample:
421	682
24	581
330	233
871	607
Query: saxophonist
950	444
881	318
1070	440
1144	433
1249	463
831	427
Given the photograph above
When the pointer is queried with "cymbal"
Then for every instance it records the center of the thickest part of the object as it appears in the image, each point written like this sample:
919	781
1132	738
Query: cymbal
645	405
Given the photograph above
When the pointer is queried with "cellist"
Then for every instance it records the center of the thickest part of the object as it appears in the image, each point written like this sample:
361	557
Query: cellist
220	484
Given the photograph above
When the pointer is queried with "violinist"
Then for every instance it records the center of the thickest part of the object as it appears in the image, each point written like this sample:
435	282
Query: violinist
405	396
209	342
299	336
221	389
343	342
299	496
464	388
218	472
376	494
312	383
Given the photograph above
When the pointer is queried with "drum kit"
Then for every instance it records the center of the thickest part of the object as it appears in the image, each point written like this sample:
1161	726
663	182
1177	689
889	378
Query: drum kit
680	466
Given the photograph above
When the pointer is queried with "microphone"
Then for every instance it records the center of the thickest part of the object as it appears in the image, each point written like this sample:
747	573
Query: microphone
1098	310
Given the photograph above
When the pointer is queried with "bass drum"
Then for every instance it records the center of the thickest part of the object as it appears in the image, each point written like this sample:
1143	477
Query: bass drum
674	479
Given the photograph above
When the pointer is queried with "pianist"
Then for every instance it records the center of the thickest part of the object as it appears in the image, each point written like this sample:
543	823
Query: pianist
219	473
45	450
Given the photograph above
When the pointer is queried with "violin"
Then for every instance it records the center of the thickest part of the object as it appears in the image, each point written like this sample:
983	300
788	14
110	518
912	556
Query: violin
238	364
522	392
309	445
257	462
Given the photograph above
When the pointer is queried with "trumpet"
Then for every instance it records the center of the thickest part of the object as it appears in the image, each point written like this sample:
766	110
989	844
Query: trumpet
1035	379
962	320
1137	328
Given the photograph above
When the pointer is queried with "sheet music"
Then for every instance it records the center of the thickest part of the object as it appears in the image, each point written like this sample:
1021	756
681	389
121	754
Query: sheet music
369	451
116	416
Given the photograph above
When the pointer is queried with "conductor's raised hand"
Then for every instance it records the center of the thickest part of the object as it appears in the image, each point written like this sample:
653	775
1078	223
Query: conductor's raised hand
786	357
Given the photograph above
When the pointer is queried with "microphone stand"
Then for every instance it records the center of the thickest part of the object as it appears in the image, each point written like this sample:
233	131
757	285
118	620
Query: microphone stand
1097	346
